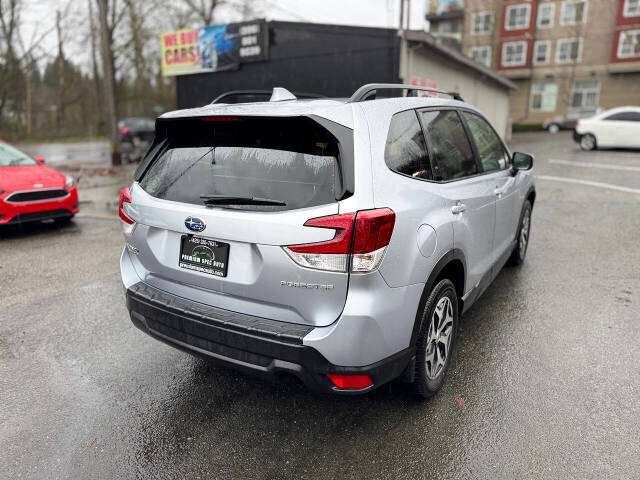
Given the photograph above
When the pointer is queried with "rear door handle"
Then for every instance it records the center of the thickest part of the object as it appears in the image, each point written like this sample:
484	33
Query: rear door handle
458	208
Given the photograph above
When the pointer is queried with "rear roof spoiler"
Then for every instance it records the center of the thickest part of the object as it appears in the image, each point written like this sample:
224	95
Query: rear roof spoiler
298	95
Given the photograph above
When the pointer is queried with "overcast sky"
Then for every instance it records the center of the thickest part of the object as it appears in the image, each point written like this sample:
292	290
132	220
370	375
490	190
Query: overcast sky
374	13
39	16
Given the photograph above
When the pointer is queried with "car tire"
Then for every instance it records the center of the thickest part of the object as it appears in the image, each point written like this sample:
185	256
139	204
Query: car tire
522	238
436	338
588	142
553	128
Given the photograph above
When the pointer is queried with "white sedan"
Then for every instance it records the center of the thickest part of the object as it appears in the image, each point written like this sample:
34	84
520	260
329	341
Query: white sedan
615	128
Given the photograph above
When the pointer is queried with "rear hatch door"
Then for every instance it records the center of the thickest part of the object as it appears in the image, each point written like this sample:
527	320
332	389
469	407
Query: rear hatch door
290	167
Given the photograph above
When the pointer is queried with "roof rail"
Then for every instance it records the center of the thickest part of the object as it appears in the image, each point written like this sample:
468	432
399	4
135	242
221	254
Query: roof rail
364	91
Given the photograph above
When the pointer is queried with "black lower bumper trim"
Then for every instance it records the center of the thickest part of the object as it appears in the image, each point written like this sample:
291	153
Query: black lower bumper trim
264	347
576	137
39	216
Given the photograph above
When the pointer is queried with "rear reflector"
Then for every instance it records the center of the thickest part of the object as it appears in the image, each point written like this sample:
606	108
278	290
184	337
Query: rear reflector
360	237
350	382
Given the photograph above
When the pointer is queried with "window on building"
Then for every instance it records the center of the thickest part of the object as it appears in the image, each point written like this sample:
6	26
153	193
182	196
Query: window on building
449	26
569	50
450	148
546	14
629	44
573	12
492	154
406	151
517	16
443	6
542	52
514	54
481	23
481	55
631	8
584	96
544	97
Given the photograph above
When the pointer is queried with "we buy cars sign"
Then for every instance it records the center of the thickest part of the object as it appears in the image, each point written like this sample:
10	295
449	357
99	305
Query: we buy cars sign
213	48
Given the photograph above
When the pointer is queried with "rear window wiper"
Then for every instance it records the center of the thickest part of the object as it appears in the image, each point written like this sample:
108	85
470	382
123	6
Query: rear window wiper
227	200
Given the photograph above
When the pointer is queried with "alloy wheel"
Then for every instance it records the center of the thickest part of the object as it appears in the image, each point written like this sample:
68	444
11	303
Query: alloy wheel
587	142
523	241
439	337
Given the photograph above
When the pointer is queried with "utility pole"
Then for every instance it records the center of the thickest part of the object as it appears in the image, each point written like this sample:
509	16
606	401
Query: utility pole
404	48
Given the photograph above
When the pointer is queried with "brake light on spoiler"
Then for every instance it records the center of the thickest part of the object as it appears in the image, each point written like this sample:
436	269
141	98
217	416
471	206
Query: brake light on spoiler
359	243
220	118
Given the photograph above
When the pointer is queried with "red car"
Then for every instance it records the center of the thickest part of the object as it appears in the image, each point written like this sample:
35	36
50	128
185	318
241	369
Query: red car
30	191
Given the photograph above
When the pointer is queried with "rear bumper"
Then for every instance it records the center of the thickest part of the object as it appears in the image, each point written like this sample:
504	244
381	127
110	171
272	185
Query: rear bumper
18	213
260	346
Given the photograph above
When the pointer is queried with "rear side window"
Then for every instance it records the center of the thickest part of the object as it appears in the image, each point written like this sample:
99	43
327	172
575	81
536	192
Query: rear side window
289	160
625	117
450	148
406	151
492	154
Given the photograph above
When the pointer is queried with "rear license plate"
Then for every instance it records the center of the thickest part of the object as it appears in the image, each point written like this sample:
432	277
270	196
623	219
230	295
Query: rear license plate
204	255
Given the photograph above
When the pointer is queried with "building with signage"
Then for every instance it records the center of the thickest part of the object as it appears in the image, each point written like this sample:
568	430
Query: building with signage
566	56
328	60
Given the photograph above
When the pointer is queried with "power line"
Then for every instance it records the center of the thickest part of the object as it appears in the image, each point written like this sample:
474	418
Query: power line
286	10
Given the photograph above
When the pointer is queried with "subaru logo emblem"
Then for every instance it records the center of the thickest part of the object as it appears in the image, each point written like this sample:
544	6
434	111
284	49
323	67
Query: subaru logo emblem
195	224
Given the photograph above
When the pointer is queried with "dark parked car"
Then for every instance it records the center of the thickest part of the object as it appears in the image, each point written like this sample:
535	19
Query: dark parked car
135	135
566	121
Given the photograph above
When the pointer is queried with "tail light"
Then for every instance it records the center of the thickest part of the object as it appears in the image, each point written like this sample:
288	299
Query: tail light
359	243
124	203
125	130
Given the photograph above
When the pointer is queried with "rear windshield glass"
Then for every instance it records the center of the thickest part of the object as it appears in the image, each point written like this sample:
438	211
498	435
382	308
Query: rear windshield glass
292	161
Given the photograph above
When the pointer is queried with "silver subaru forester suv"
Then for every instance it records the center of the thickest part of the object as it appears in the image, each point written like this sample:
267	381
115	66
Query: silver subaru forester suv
338	241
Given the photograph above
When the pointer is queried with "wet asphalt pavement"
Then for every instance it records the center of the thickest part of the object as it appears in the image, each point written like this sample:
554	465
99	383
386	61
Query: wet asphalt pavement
545	381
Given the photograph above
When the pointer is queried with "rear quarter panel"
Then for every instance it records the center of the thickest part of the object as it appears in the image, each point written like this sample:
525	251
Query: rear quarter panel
415	202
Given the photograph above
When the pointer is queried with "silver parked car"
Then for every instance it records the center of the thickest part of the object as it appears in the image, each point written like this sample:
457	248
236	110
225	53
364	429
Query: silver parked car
338	241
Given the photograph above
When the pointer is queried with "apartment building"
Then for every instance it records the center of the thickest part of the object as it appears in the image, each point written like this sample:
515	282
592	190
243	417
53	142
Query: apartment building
565	56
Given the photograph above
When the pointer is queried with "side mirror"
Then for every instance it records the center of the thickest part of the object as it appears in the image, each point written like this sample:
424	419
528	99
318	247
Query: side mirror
40	160
521	161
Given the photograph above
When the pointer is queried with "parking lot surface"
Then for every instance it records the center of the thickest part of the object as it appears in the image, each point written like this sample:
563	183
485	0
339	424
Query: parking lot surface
545	380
